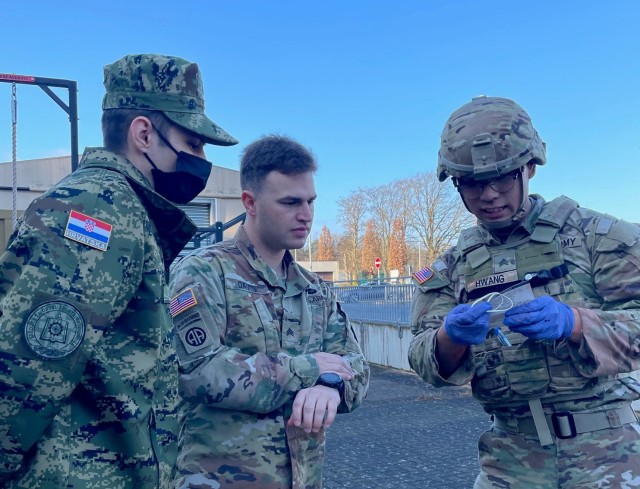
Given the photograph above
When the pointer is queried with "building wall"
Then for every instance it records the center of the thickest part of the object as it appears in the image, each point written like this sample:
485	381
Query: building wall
6	226
228	209
326	270
34	177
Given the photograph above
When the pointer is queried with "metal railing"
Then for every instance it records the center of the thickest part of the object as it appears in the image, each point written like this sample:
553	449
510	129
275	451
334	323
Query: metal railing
375	301
209	235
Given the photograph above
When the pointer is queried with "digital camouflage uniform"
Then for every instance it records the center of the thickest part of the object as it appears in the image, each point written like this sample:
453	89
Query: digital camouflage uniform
245	344
603	259
88	370
88	374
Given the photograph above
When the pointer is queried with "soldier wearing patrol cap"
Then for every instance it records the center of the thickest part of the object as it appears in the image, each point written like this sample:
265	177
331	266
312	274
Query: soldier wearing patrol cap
88	374
538	306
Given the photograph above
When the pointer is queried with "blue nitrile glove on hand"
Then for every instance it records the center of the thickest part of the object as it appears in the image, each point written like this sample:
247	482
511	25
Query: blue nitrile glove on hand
542	318
468	325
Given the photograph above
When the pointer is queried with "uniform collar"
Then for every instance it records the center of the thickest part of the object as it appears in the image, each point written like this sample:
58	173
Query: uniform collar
173	226
296	282
101	157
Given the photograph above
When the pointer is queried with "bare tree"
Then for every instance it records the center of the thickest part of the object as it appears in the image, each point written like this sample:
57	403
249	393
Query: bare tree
429	213
352	209
437	214
305	253
386	203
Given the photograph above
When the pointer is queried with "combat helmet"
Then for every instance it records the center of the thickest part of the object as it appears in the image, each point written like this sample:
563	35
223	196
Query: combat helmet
488	137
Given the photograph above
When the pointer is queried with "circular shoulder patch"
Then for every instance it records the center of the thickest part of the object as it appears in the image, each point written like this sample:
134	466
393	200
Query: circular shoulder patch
54	329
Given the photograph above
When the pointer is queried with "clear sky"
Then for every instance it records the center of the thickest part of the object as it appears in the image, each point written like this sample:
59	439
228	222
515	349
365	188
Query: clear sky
367	85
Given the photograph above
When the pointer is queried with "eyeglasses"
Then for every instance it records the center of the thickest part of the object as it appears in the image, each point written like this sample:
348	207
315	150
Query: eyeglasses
472	189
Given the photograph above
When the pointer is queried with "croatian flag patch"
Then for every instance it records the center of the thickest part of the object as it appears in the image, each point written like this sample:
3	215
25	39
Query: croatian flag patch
88	230
182	302
421	276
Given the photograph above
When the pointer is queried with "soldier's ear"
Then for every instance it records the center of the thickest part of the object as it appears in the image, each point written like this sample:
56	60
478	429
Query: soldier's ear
249	202
139	136
531	167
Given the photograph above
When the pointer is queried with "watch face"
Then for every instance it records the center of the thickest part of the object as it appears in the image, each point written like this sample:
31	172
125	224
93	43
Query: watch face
331	378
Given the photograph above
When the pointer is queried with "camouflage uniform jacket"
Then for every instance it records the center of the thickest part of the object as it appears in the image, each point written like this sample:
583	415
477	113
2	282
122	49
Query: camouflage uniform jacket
246	339
88	373
602	256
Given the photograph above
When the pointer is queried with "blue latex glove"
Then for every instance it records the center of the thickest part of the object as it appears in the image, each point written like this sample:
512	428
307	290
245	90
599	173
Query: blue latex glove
468	325
542	318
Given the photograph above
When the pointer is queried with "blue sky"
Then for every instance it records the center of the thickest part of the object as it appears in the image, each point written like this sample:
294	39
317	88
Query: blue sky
367	85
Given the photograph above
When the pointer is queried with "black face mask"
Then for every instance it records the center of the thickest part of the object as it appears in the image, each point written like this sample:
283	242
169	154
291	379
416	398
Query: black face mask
184	184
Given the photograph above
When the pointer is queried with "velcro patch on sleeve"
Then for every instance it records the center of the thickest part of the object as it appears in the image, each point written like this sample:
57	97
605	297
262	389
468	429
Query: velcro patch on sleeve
88	230
193	334
423	276
183	301
197	331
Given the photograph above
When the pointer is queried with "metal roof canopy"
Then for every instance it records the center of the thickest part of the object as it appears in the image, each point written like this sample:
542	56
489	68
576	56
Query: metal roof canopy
71	109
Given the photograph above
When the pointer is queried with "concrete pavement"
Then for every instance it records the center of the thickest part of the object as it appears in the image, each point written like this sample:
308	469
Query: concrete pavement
406	435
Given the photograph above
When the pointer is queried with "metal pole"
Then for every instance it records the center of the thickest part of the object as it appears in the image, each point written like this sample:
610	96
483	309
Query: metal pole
219	231
71	109
14	126
73	123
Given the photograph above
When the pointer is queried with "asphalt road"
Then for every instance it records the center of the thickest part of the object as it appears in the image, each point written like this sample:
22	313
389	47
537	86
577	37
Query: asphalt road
406	434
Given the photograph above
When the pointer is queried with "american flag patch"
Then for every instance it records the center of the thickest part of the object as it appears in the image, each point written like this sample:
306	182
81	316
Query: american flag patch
421	276
88	230
182	302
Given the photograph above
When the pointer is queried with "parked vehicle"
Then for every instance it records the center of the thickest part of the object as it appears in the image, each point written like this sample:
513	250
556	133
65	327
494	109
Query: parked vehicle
367	291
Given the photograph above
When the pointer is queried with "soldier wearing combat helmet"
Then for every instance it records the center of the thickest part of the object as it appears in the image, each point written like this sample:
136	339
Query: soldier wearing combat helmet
497	156
537	307
88	371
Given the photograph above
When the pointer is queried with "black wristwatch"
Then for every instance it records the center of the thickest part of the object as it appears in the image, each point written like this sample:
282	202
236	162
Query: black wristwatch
329	379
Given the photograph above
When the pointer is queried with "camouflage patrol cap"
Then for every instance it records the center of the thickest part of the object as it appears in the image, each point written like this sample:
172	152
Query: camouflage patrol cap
487	137
167	84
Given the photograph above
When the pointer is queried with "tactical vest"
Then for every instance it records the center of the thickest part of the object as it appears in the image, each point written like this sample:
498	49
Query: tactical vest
528	369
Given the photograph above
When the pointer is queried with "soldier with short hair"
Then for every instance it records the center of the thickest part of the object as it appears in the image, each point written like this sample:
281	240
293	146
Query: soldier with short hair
88	371
267	356
538	306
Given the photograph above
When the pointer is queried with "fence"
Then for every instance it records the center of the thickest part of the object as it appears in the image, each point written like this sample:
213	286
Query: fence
379	312
377	301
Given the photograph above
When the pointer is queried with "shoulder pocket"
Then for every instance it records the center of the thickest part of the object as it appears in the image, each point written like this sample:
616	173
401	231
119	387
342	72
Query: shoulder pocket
619	235
197	332
437	281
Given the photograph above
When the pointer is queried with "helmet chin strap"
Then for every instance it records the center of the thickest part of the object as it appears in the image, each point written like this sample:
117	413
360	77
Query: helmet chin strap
511	222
